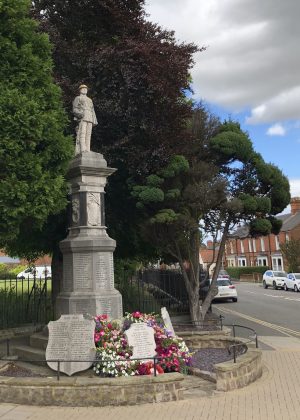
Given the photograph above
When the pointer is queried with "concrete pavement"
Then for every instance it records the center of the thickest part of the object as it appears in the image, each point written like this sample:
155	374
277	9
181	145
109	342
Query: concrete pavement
273	397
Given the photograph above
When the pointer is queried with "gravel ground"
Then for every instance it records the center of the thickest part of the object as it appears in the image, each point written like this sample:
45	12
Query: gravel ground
204	359
11	369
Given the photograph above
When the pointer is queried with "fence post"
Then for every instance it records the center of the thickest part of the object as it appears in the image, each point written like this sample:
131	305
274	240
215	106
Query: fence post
58	369
221	322
7	347
234	354
233	330
154	359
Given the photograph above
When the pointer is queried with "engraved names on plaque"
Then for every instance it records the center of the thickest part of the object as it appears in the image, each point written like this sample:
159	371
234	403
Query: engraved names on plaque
71	338
82	270
141	337
104	270
68	273
167	321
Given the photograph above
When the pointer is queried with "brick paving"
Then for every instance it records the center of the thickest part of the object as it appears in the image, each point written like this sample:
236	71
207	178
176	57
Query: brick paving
273	397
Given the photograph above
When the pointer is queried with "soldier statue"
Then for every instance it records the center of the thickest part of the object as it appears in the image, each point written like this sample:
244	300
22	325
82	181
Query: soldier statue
84	114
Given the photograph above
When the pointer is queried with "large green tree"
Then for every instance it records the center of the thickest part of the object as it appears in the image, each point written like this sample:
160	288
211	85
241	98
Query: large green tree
175	199
138	75
255	192
226	183
34	151
291	252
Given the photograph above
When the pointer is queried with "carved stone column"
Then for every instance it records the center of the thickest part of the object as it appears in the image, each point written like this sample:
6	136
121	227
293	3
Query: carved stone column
88	269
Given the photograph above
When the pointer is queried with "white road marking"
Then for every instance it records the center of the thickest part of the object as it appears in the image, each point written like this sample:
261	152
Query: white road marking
287	331
273	296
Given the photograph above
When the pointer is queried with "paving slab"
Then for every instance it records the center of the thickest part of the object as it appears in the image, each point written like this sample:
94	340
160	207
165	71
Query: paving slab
269	398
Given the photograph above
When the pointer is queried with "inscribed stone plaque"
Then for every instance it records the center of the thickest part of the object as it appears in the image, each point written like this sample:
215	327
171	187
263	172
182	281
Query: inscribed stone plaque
83	306
106	305
83	270
71	338
68	273
104	270
167	321
141	337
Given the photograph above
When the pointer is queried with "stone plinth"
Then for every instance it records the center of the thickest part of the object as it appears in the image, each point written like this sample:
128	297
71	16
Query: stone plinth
88	269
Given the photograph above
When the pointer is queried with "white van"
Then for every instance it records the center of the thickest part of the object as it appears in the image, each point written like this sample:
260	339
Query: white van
43	271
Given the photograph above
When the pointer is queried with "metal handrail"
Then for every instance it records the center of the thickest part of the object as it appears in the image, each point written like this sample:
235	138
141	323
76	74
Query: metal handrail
59	361
218	322
250	340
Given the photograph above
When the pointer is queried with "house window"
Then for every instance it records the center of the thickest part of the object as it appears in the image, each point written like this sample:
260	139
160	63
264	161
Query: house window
262	261
277	243
262	244
249	245
242	247
287	238
254	245
231	262
242	262
277	263
231	248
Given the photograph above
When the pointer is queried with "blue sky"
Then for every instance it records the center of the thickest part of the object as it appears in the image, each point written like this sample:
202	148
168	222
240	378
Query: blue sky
282	149
250	69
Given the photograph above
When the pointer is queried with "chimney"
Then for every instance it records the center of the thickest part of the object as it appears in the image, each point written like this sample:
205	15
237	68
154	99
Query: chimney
209	244
295	205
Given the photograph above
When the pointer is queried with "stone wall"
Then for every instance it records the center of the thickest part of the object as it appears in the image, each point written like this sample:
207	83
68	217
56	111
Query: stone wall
227	375
247	369
83	391
208	339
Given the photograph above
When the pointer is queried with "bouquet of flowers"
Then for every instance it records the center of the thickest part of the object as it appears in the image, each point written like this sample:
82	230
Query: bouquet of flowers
113	352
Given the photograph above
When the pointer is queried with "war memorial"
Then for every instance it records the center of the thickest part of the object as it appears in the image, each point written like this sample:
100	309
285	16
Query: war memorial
97	354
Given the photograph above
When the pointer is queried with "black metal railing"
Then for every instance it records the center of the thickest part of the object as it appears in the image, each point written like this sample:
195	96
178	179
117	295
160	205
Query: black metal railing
24	301
94	361
251	338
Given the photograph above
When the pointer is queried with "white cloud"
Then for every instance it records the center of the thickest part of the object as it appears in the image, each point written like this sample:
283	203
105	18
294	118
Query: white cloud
295	192
252	59
285	106
276	130
295	187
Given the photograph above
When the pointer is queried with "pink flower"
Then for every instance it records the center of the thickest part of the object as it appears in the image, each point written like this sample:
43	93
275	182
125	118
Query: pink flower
136	314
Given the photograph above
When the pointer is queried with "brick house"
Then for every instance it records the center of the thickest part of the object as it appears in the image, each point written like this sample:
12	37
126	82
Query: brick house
6	259
242	250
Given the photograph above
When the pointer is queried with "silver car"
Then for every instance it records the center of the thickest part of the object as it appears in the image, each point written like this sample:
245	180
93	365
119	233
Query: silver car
292	282
275	279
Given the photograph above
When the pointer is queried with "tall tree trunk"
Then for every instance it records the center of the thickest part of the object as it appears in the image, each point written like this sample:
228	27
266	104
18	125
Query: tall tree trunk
191	276
213	290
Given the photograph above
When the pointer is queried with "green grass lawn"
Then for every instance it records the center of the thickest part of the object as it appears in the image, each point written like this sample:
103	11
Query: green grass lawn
24	286
24	301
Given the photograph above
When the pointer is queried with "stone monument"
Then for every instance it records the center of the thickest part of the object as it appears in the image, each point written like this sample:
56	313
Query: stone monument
167	321
141	337
88	269
71	338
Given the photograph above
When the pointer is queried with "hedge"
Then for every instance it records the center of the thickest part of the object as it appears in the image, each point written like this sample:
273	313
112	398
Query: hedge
236	272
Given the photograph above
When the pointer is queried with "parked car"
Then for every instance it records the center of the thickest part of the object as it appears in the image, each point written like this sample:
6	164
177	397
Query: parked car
292	282
226	290
275	279
223	274
38	272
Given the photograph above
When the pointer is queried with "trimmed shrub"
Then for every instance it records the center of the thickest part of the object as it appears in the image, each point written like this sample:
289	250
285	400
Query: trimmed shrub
236	272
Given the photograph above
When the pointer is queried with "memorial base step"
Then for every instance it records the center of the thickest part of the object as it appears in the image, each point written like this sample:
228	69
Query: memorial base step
31	354
39	341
